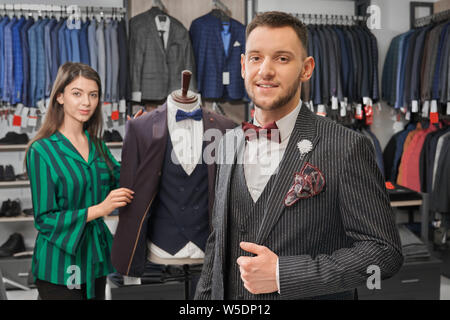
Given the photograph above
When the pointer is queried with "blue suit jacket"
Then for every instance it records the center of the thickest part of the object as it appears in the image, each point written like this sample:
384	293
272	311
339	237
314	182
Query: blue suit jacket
16	95
26	60
211	61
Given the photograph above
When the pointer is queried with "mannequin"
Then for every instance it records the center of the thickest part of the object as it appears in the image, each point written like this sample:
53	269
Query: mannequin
169	220
185	100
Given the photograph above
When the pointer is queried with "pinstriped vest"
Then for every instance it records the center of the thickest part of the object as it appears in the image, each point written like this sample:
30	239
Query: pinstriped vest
244	220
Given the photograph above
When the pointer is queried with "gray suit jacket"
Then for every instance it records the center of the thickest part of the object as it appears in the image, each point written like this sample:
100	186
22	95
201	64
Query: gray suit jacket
155	71
101	55
92	44
325	243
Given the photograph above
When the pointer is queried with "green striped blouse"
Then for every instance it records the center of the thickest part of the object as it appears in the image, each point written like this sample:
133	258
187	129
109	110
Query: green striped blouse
68	249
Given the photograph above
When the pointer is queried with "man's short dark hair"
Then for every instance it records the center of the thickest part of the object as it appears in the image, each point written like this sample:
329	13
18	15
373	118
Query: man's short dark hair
277	19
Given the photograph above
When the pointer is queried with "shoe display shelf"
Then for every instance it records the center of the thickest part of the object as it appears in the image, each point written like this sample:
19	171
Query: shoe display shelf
26	183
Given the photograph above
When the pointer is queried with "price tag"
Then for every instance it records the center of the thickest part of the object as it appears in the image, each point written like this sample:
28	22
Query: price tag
122	106
358	112
41	106
32	118
321	110
408	116
115	111
434	116
425	109
448	108
343	111
434	107
369	114
414	106
226	78
366	101
17	119
24	116
334	103
107	109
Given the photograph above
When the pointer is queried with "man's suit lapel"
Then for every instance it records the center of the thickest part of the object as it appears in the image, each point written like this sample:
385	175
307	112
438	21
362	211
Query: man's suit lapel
305	128
232	153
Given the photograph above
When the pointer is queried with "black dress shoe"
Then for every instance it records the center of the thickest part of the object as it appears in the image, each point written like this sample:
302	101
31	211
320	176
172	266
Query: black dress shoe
22	177
2	173
107	136
6	206
115	136
14	138
15	209
13	245
9	173
28	212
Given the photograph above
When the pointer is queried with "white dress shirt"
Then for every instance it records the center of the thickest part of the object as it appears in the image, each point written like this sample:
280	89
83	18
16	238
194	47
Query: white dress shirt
187	141
262	158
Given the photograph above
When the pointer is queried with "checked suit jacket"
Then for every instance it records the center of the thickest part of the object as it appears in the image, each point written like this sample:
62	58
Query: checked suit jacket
325	243
211	61
156	71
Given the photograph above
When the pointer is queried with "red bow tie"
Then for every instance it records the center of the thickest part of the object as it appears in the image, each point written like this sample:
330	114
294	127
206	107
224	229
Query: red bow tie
251	131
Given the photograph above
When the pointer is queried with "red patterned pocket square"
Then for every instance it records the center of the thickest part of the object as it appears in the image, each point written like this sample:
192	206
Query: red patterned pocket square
307	183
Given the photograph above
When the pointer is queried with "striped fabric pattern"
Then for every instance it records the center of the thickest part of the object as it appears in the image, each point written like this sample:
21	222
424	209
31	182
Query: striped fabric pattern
63	187
325	243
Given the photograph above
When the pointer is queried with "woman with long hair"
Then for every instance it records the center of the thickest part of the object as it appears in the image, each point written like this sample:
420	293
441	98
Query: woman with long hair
74	183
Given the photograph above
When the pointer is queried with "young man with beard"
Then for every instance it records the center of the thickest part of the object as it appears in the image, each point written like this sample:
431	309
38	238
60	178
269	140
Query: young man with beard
300	211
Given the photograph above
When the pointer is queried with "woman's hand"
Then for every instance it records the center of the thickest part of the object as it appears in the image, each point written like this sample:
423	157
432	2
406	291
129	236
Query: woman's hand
115	199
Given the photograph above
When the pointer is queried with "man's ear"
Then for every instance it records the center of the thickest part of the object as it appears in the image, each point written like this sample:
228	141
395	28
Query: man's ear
243	66
308	68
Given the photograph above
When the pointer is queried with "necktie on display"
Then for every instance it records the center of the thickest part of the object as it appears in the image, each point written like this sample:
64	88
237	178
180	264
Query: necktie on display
161	36
252	131
195	115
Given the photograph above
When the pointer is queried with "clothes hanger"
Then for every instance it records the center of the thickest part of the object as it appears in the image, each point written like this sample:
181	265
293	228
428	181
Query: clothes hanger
220	11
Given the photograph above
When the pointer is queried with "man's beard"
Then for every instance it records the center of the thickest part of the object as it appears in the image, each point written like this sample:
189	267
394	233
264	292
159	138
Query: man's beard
280	102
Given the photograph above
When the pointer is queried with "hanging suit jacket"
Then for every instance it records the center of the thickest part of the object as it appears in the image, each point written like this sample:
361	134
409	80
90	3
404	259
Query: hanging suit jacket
325	243
211	60
142	160
155	71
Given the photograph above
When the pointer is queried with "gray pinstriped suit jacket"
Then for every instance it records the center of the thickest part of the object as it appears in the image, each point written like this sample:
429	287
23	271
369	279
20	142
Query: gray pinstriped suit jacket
325	243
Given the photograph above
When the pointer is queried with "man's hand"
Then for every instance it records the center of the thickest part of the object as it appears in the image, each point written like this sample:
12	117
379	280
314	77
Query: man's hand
259	272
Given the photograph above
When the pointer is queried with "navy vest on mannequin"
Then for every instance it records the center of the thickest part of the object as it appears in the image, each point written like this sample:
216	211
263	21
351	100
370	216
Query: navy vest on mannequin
179	213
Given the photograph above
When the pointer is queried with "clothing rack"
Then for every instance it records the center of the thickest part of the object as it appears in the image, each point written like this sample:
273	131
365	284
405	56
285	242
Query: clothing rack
437	17
29	9
328	19
332	19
